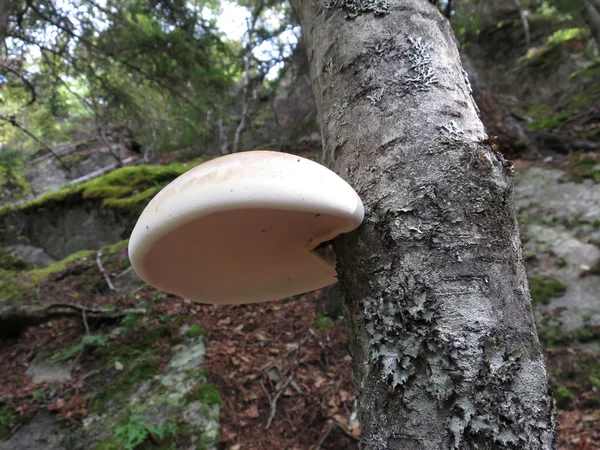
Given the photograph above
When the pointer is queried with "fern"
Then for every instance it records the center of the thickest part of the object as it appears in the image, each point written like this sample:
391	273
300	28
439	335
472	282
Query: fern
136	431
87	342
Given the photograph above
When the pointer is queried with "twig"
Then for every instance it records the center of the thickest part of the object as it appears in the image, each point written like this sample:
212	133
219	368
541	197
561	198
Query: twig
347	432
323	437
89	374
278	395
87	327
103	272
262	385
311	331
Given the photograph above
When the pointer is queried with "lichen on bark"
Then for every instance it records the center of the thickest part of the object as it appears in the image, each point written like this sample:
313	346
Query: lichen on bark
440	326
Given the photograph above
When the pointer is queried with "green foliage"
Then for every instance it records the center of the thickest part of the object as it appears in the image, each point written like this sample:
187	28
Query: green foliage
551	11
323	323
142	369
542	289
205	393
568	34
158	69
129	321
88	342
8	419
132	434
12	180
195	331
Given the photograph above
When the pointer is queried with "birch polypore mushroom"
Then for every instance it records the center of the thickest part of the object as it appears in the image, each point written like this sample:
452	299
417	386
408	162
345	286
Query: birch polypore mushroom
244	228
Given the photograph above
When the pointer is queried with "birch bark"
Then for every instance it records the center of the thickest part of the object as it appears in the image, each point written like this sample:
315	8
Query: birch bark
437	308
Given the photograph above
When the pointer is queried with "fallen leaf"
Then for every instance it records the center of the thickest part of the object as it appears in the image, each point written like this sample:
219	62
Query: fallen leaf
252	412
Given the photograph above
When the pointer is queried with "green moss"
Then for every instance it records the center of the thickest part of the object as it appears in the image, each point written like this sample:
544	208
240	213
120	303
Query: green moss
21	284
205	393
17	283
142	370
585	334
584	168
323	323
568	34
542	289
547	124
195	331
125	188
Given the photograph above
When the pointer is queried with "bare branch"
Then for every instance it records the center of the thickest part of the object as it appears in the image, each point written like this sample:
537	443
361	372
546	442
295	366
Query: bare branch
13	122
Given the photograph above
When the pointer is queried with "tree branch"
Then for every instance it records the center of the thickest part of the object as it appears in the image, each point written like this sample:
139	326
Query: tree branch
14	123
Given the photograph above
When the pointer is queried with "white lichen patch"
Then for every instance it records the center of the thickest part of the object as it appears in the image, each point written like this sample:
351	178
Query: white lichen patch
393	348
355	8
420	76
451	131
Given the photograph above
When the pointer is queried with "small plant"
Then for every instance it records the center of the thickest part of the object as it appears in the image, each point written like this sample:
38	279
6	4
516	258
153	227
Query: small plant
131	435
8	419
129	321
323	323
195	331
90	341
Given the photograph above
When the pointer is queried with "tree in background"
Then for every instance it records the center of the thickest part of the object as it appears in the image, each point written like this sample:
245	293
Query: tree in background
591	13
437	306
153	69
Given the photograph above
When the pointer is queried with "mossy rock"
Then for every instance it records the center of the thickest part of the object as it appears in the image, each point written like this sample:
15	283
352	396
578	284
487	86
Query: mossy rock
22	284
87	215
542	289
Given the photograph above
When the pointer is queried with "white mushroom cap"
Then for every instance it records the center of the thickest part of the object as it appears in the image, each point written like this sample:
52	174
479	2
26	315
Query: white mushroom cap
242	228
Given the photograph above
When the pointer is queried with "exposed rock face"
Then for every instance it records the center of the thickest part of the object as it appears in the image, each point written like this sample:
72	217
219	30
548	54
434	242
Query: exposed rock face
558	221
65	231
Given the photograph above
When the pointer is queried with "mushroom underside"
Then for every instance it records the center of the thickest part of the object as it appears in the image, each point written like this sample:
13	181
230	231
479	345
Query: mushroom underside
243	256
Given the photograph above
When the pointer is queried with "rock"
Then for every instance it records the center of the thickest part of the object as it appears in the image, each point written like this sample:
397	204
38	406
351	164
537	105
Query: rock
49	372
577	255
35	255
41	433
556	218
128	281
595	238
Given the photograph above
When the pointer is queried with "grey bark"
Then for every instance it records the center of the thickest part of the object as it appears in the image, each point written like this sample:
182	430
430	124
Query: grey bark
439	319
591	13
5	10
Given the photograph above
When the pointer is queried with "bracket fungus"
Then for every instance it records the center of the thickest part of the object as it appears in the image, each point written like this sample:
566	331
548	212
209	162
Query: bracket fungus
243	228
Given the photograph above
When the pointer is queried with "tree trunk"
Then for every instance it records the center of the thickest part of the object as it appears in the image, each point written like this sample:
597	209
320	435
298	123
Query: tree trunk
591	13
5	10
438	313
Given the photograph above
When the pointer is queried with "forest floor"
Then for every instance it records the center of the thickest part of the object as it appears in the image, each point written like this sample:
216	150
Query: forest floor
282	369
